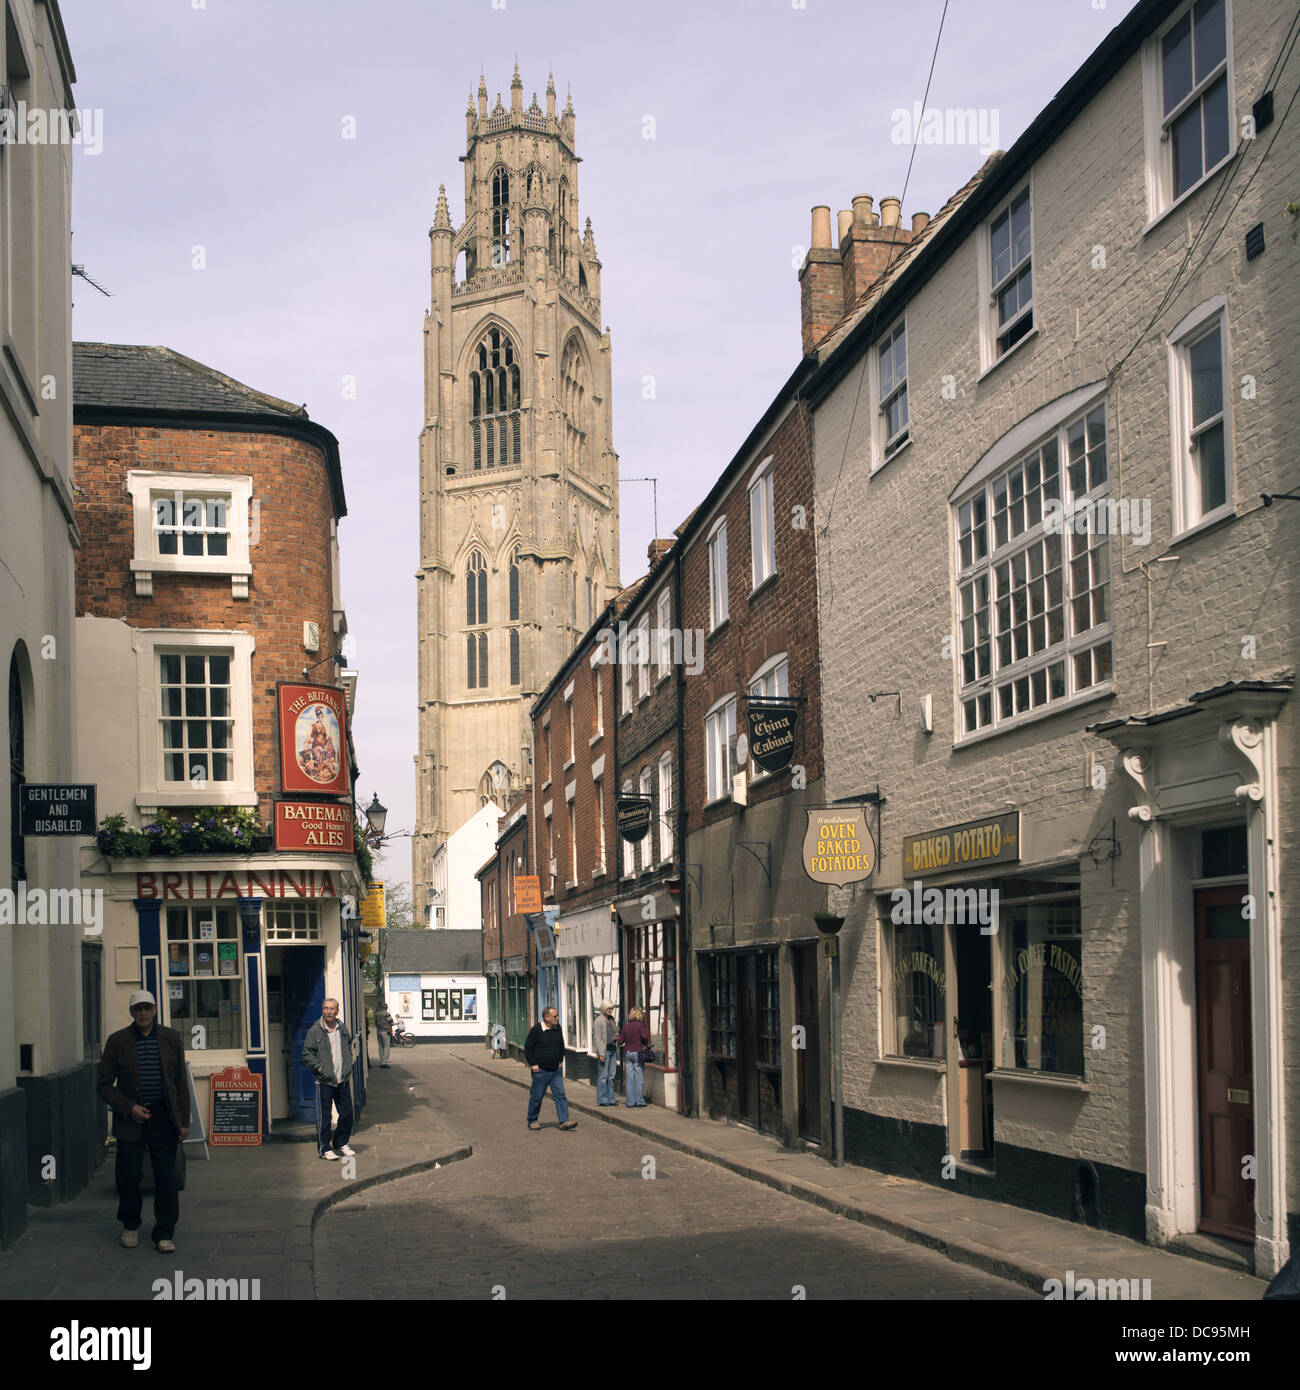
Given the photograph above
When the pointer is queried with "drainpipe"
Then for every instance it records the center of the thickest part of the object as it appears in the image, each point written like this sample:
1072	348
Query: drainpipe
686	962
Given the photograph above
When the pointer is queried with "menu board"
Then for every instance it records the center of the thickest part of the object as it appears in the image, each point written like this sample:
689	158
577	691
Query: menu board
234	1107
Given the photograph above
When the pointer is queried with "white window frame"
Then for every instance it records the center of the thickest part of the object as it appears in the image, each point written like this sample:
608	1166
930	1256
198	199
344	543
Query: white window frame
572	748
990	357
1158	142
643	658
716	545
767	674
629	849
144	488
646	787
885	449
665	807
719	737
598	701
598	793
1186	478
1053	422
762	523
573	842
148	645
664	617
627	678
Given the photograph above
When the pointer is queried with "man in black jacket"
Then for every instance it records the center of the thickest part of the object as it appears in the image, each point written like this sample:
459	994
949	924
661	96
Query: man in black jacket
142	1078
544	1052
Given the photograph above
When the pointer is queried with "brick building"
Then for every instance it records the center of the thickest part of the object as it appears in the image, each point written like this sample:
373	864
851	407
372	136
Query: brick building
748	586
208	600
1041	523
509	956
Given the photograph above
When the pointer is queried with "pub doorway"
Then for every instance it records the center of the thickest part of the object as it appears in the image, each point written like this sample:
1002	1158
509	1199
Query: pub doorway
1224	1069
970	1053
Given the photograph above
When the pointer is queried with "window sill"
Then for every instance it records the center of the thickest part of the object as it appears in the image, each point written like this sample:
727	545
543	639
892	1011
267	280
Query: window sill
1192	191
568	763
643	697
659	680
1038	1078
546	784
1009	353
758	588
1103	692
1219	517
570	884
930	1064
721	627
902	449
595	738
598	873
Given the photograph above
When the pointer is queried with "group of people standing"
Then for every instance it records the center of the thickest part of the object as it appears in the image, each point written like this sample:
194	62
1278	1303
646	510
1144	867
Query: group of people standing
544	1053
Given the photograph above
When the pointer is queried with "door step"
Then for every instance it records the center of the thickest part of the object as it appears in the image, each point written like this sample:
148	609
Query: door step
1214	1250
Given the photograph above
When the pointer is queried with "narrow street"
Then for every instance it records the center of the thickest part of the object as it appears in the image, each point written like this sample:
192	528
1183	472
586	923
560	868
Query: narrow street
569	1215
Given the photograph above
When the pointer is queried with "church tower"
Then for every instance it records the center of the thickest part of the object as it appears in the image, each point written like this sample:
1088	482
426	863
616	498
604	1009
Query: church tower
518	474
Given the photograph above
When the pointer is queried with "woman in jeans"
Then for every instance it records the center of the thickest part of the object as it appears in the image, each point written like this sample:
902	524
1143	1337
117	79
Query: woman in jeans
635	1040
604	1038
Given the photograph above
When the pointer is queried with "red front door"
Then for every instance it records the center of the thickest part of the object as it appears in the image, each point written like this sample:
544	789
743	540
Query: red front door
1224	1062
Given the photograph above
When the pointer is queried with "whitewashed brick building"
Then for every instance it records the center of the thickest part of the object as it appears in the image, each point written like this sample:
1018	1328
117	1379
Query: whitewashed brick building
1100	326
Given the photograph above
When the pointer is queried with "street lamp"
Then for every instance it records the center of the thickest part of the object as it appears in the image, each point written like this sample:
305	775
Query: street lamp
377	815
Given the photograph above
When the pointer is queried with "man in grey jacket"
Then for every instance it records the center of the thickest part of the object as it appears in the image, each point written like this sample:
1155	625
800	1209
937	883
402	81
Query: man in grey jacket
327	1050
604	1040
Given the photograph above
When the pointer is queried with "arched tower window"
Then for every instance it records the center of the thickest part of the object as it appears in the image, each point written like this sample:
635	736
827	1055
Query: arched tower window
500	216
514	656
564	228
475	590
476	665
494	785
494	395
573	387
514	585
17	770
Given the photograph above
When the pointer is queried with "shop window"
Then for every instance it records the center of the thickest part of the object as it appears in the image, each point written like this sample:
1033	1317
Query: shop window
652	984
292	921
204	975
769	1010
1041	938
916	989
575	1004
448	1005
722	1006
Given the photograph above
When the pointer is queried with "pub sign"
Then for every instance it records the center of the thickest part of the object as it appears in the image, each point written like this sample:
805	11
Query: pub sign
771	734
313	725
632	814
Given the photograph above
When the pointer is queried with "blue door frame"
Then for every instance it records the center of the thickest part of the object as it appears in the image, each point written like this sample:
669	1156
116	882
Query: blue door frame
303	975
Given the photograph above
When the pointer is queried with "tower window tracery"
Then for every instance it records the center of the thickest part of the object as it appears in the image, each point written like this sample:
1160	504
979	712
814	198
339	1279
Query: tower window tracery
500	216
475	590
573	375
495	391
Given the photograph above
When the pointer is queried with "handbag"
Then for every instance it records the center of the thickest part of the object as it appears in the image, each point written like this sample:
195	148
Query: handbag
648	1054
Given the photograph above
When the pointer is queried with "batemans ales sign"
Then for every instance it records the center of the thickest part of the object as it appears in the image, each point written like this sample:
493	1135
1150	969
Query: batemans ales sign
837	846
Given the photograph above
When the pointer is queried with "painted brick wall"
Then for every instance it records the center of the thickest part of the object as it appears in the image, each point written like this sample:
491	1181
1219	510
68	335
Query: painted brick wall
885	566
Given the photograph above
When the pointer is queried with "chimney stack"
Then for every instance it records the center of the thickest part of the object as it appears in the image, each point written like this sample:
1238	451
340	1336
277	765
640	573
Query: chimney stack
889	212
845	222
821	282
920	221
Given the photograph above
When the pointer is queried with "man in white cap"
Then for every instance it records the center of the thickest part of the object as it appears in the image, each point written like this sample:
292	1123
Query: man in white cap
142	1079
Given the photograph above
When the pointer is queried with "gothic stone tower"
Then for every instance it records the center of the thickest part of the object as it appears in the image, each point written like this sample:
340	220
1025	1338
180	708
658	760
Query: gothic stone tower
518	474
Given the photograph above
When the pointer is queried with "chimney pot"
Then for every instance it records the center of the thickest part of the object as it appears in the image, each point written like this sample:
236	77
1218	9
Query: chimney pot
862	213
821	228
846	221
889	208
920	221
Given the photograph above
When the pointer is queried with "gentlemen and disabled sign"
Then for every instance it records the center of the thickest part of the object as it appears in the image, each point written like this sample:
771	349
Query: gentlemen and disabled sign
64	808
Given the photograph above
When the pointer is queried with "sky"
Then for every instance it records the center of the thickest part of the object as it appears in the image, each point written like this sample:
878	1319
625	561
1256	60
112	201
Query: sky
267	174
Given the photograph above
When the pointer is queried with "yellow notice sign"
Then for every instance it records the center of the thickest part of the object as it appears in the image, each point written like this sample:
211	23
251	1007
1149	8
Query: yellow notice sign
837	846
372	909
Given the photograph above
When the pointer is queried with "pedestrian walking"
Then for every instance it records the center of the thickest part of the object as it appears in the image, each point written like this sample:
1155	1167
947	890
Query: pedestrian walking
604	1038
636	1041
384	1029
324	1049
142	1080
544	1052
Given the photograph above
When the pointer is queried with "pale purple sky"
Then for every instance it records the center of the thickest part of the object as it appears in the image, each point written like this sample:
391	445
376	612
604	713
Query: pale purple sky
222	128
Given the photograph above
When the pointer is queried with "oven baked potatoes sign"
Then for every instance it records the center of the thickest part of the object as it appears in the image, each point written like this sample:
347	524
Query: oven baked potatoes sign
838	847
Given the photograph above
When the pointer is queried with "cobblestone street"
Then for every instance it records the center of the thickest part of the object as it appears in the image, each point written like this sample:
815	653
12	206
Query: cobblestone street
569	1215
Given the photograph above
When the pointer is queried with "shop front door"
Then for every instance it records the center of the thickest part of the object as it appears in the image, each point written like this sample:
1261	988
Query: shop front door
302	975
808	1057
970	1044
1224	1062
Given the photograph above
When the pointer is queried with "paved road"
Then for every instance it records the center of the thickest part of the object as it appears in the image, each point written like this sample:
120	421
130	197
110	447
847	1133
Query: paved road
569	1215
